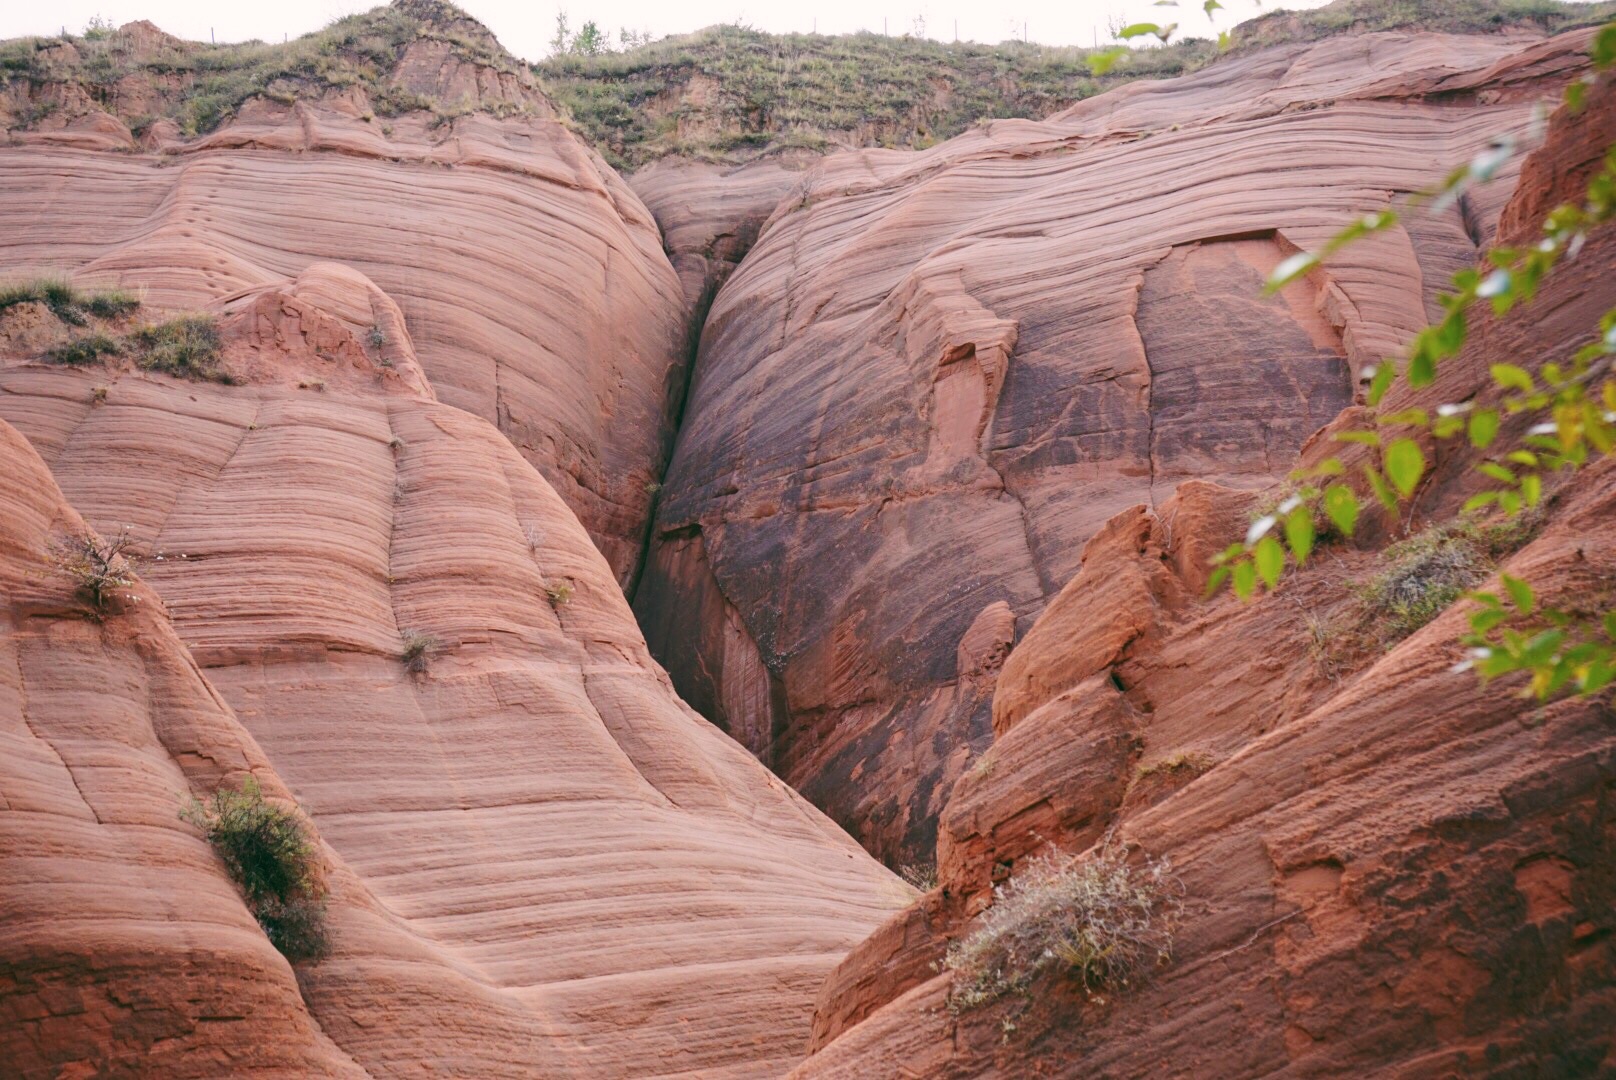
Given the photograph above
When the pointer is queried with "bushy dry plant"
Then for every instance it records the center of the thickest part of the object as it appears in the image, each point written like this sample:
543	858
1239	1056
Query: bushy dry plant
919	875
418	650
1183	763
1100	920
100	567
270	856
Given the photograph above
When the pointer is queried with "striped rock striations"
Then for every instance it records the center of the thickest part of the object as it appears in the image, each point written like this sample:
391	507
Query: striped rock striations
1385	867
544	862
937	374
532	278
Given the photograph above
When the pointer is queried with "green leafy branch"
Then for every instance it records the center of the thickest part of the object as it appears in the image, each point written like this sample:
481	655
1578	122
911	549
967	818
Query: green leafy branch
1573	404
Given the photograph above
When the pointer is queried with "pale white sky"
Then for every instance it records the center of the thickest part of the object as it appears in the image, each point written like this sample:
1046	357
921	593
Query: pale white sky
525	26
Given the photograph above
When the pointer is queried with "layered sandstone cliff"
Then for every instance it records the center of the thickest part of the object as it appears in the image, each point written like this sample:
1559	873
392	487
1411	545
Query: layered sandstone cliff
542	862
1387	868
964	428
937	374
532	278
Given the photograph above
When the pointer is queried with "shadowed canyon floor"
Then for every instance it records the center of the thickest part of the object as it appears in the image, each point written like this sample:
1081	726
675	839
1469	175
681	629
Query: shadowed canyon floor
962	429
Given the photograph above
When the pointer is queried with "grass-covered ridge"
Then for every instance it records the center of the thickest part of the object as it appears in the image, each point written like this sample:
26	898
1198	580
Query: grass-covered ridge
729	92
200	85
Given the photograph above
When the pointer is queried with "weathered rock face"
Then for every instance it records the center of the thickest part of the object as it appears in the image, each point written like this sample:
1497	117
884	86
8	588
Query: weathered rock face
937	374
553	865
121	940
710	215
1388	868
532	278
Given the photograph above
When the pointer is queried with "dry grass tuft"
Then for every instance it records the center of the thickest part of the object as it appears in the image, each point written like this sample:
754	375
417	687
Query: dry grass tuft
1098	919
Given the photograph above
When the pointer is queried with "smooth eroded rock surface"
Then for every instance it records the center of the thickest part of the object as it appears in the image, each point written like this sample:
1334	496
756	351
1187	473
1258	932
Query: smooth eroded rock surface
597	881
533	280
1386	867
937	374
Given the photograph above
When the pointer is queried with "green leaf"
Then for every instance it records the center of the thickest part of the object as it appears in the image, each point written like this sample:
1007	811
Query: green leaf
1219	576
1496	472
1381	381
1245	579
1383	491
1101	63
1610	624
1405	464
1520	593
1270	560
1511	377
1299	533
1210	6
1531	488
1476	502
1289	270
1483	428
1367	438
1341	507
1603	49
1415	417
1421	367
1127	33
1483	621
1224	41
1597	676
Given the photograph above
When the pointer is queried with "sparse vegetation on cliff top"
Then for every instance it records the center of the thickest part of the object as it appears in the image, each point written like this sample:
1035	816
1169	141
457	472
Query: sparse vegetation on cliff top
723	93
200	85
731	92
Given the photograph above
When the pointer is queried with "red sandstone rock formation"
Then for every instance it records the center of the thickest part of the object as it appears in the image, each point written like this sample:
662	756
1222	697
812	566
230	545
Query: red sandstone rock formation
531	276
545	863
937	374
710	214
1388	868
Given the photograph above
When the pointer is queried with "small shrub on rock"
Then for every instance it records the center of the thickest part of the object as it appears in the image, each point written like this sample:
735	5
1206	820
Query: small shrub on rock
83	351
919	875
1100	920
101	568
418	651
270	856
1424	574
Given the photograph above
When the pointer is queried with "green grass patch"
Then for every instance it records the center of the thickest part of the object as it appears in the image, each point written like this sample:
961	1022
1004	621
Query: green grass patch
66	302
731	92
187	347
84	350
